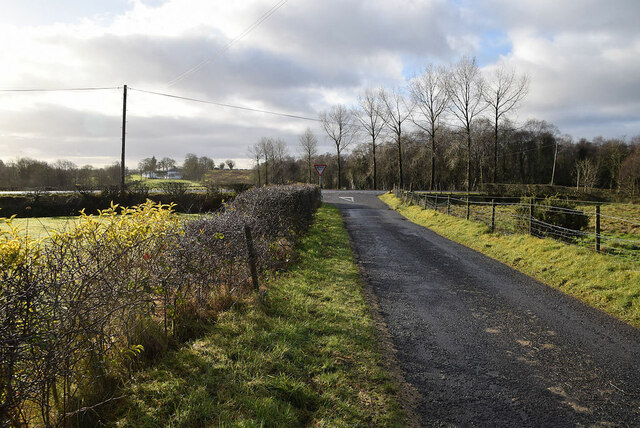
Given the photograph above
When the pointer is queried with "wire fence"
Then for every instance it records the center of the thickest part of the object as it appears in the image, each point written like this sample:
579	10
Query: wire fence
588	227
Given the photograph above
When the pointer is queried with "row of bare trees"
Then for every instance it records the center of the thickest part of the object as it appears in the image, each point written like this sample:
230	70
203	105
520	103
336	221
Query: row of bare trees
532	153
455	97
449	128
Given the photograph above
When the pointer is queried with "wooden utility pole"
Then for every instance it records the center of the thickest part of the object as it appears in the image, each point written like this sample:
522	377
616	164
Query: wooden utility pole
124	133
555	158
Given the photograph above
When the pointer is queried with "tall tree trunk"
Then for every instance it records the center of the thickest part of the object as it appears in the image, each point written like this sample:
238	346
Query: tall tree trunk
433	156
495	153
339	172
375	177
468	159
400	163
266	172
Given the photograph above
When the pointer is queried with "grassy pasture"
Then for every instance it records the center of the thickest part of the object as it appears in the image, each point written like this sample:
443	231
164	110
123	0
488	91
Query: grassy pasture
228	177
156	183
41	227
618	221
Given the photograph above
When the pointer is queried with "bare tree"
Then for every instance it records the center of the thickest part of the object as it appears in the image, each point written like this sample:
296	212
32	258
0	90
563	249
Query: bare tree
309	147
503	94
166	163
431	97
256	153
230	163
148	165
630	173
586	172
466	90
369	115
337	122
395	111
278	155
266	148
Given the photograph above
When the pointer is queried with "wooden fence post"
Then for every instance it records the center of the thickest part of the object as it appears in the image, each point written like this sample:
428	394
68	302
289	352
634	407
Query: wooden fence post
426	198
435	204
449	204
493	215
598	228
252	258
468	208
531	216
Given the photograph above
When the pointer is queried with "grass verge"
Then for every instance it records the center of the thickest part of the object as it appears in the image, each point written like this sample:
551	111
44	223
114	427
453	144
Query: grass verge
607	282
308	356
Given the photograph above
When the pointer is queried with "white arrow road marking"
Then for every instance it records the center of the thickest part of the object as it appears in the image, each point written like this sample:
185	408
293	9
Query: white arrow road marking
347	198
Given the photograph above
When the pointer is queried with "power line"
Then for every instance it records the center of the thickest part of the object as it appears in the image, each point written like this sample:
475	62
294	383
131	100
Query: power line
293	116
247	30
522	151
61	89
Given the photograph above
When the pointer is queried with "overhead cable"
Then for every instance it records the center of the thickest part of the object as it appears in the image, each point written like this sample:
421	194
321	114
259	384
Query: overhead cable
60	89
293	116
247	30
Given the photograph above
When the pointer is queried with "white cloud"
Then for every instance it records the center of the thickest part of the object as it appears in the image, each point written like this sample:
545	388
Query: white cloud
582	58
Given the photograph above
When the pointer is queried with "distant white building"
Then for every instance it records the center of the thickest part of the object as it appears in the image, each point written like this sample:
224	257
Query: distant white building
150	175
174	174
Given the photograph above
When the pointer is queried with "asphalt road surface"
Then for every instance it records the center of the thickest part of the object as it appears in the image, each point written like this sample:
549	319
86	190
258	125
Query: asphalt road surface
483	344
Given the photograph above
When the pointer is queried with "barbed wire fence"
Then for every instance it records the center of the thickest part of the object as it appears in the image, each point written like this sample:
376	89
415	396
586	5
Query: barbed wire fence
591	227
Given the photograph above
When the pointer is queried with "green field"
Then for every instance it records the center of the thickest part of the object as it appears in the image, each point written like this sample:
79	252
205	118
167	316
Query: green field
605	281
612	214
308	356
216	177
41	227
228	177
157	183
619	222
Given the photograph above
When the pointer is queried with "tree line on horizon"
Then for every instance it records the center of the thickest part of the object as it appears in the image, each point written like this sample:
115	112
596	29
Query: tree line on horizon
31	174
449	129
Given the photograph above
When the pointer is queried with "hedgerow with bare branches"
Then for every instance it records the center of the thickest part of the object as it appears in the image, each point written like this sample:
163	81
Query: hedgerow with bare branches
80	309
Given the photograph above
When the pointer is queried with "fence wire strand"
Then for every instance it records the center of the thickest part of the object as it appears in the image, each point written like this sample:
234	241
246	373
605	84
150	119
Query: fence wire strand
506	219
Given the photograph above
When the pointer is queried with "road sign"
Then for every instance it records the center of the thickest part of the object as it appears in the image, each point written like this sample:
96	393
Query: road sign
320	169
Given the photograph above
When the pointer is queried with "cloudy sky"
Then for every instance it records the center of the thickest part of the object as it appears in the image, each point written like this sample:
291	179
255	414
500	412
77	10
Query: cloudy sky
295	57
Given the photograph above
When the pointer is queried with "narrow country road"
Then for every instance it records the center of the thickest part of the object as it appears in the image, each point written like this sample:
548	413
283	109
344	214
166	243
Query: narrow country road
483	344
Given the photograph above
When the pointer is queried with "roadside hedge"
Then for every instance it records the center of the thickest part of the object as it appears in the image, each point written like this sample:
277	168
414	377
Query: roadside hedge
79	310
38	204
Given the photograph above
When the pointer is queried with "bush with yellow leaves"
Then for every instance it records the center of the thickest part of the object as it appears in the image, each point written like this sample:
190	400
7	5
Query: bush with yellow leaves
78	309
